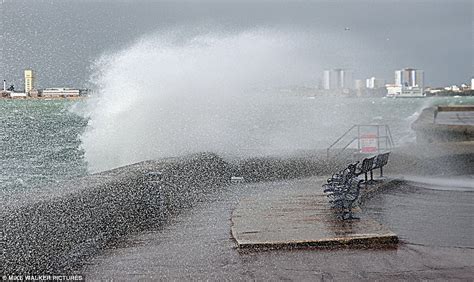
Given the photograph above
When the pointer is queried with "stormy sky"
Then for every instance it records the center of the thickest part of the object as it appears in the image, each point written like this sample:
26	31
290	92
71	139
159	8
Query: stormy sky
60	40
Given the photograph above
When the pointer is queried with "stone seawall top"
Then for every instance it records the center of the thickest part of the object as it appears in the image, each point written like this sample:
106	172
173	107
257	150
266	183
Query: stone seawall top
455	108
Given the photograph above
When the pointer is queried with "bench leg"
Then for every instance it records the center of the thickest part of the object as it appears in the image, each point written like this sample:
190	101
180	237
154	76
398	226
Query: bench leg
347	215
381	171
366	178
371	176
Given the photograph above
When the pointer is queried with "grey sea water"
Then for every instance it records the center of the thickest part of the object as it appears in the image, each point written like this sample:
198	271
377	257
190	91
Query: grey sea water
39	143
40	140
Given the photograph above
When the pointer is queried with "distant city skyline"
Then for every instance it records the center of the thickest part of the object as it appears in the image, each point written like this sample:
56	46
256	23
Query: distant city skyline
371	38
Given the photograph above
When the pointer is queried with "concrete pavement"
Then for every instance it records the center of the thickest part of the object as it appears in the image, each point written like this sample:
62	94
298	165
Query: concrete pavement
302	217
435	229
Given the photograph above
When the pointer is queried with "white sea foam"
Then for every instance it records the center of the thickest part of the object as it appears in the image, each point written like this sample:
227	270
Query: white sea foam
409	137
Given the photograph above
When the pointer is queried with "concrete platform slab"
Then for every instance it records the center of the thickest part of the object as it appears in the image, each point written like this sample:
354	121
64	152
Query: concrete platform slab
301	217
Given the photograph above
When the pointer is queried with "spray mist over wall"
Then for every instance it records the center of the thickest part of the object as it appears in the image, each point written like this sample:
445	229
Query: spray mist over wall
167	95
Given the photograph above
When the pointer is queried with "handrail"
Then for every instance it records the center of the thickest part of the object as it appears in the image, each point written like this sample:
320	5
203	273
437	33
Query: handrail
342	136
387	137
387	128
348	144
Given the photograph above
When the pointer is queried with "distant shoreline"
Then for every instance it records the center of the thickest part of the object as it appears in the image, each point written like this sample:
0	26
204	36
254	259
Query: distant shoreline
44	98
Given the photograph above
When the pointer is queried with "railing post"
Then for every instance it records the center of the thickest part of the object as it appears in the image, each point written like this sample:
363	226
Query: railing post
378	138
392	144
342	136
358	138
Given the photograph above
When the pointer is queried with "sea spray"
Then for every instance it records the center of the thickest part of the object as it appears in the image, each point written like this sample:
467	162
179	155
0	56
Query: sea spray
167	96
410	136
176	93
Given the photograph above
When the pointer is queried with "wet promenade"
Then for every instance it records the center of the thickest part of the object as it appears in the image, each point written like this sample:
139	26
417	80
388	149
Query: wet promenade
302	217
435	228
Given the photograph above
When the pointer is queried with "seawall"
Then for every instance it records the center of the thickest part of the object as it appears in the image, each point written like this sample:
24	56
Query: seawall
429	130
57	232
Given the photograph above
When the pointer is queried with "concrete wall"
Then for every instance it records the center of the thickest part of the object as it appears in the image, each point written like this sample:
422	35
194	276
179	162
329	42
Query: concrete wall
58	232
427	131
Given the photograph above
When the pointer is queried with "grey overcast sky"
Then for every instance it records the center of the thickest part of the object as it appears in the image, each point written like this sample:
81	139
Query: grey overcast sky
61	39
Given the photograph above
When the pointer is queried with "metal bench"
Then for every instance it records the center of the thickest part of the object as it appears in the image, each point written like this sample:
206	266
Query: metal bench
365	167
344	175
343	190
380	161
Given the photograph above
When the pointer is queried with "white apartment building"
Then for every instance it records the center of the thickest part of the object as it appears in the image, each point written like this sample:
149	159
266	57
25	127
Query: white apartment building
337	79
408	83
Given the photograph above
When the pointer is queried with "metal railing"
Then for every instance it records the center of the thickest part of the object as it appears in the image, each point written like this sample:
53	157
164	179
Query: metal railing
385	139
